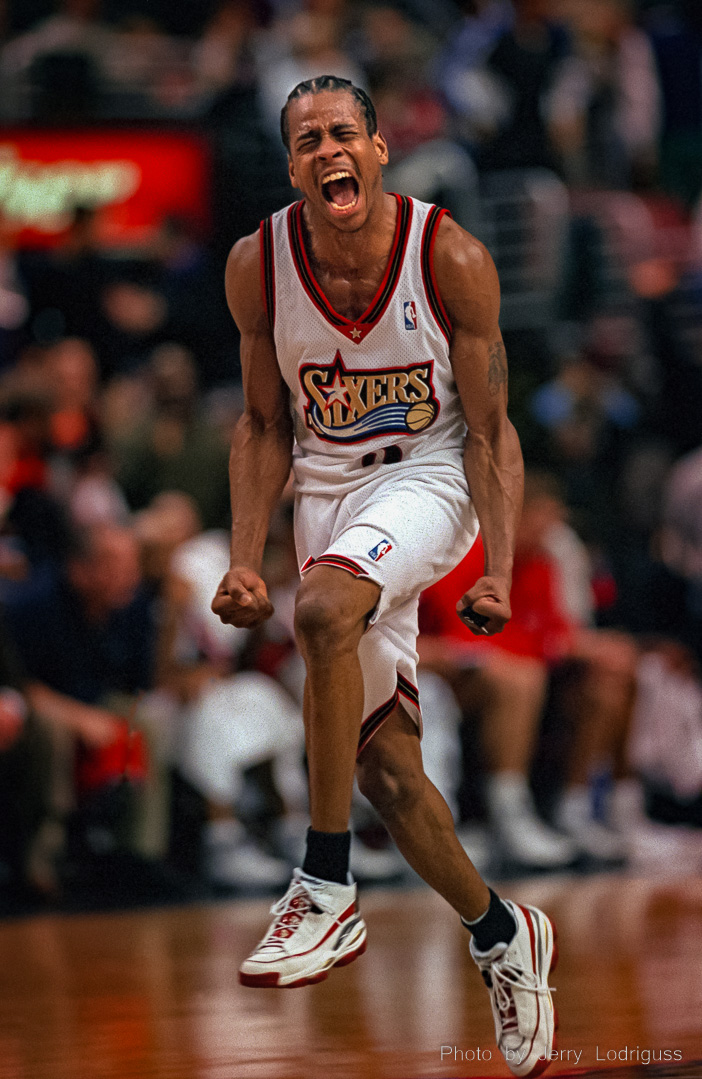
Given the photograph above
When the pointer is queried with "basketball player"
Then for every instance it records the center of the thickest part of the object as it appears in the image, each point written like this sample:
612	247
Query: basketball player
373	362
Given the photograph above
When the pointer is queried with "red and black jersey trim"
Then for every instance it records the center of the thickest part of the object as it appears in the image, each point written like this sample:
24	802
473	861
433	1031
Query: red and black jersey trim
406	689
354	330
431	227
338	560
375	720
268	270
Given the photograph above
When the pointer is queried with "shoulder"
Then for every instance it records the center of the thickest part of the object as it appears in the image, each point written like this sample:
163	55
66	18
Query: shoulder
465	273
457	252
242	281
244	259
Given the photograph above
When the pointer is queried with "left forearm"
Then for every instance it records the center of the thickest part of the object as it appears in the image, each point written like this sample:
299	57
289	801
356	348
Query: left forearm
495	472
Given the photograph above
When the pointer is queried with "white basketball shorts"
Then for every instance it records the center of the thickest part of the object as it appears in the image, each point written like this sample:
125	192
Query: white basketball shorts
404	529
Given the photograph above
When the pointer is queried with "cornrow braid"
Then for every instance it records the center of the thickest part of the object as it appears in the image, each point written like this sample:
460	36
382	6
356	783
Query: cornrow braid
329	82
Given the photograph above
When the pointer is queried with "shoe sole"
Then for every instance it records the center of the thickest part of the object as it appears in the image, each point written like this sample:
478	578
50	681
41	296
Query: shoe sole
272	980
541	1065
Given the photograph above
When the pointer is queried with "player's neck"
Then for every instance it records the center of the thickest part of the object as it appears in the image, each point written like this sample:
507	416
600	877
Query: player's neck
331	246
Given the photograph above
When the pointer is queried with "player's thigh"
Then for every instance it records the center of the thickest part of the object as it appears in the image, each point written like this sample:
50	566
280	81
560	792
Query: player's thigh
407	534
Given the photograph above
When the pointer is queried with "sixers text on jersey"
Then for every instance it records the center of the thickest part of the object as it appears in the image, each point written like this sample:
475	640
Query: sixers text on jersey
352	405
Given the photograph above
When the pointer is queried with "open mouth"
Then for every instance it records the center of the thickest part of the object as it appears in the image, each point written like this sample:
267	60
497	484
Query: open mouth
340	190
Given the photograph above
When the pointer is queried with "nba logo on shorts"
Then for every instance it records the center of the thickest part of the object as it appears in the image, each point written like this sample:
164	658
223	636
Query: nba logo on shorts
380	549
410	315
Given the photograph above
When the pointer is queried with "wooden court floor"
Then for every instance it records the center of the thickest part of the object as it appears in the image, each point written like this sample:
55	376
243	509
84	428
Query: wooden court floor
154	994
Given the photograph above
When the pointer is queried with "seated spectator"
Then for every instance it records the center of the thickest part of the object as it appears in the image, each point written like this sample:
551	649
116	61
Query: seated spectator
511	680
519	75
87	645
74	34
586	413
605	109
230	720
176	448
676	36
133	320
308	44
499	80
25	781
72	378
14	305
458	70
64	283
507	678
224	55
190	281
146	67
424	161
681	543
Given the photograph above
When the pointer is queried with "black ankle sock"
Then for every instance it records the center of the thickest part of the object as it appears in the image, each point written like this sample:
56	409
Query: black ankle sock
327	855
495	926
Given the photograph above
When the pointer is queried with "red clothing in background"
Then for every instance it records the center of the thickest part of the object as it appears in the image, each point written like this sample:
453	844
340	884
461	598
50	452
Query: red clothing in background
538	627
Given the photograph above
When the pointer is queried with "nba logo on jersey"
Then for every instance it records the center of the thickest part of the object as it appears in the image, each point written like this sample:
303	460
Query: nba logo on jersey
380	549
410	315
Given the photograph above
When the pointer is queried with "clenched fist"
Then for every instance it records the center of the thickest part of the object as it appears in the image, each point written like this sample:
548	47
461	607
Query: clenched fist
489	597
241	599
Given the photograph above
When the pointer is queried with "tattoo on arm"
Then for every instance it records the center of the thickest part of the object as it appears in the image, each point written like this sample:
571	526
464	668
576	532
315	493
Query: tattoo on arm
497	369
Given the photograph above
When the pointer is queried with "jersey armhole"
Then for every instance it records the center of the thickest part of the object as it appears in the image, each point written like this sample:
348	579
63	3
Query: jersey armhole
431	227
267	271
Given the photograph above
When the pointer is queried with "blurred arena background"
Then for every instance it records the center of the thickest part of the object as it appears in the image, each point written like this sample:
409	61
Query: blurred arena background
149	755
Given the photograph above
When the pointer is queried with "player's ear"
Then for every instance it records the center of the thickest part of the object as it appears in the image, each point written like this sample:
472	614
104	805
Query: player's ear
381	148
291	171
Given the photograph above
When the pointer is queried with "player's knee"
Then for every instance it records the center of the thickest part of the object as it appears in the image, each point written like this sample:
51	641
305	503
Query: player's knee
321	623
391	787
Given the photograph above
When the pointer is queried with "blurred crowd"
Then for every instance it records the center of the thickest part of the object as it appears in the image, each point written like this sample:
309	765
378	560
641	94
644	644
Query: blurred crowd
146	751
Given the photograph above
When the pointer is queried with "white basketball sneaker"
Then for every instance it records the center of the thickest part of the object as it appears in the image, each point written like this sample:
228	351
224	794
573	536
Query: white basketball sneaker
316	927
516	975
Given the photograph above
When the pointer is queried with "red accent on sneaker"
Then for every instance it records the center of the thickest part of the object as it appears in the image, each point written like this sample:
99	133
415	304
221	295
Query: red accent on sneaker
270	981
344	962
541	1065
532	938
555	955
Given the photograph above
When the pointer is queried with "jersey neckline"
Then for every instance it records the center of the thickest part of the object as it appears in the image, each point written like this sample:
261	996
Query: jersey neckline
354	329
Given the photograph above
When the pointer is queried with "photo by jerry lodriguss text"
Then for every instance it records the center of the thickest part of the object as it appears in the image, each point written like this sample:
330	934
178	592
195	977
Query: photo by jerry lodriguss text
624	1054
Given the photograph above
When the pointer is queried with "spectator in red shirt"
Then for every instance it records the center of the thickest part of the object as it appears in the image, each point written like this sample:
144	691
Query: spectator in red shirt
507	676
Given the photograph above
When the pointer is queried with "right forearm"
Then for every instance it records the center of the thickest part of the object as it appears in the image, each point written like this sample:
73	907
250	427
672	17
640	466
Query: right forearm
259	467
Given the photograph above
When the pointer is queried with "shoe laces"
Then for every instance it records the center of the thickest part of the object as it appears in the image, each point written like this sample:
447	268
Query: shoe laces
504	977
300	898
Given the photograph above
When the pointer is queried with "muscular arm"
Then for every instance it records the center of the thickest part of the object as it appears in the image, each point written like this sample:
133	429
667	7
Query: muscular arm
261	453
492	458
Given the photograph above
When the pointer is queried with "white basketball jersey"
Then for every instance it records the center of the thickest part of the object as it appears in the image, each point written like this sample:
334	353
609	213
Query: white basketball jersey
379	389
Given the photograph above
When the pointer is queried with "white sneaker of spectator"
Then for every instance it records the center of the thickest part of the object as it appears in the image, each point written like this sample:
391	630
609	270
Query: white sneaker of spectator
371	864
524	837
593	837
649	843
233	859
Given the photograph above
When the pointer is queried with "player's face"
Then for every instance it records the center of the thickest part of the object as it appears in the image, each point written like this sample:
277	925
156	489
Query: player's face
333	160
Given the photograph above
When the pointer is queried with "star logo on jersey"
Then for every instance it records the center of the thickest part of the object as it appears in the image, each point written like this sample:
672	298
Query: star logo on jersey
355	333
346	404
410	308
336	392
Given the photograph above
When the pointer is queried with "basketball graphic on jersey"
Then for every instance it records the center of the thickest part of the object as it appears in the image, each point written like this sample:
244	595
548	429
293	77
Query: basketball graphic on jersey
343	404
420	416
